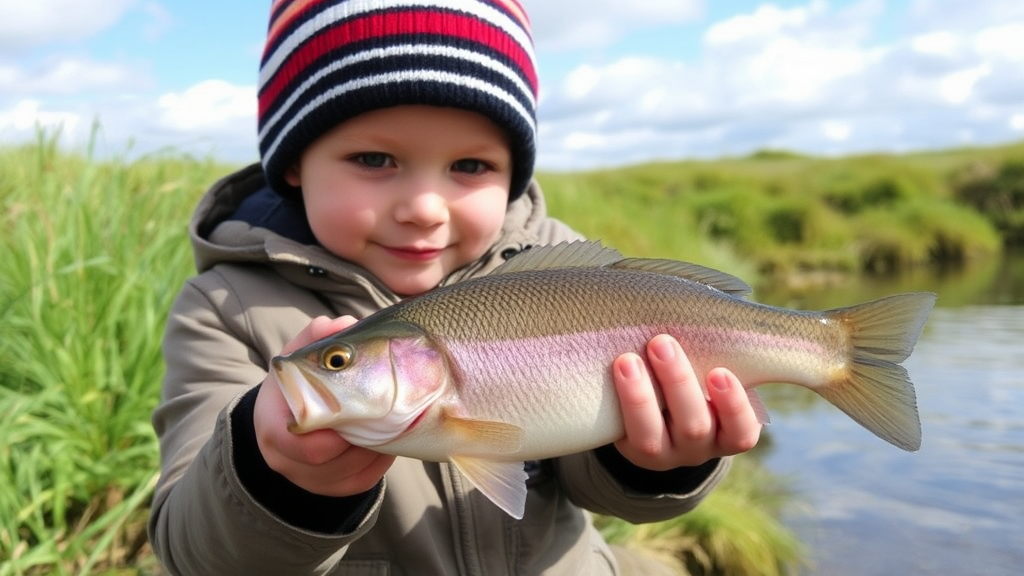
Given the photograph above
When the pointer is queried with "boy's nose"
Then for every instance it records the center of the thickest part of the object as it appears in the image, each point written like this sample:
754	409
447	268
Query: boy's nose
425	207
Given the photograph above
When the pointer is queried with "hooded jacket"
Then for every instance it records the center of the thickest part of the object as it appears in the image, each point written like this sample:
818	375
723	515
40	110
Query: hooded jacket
219	509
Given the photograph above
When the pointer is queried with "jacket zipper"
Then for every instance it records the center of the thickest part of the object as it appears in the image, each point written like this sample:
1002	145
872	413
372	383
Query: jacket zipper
463	530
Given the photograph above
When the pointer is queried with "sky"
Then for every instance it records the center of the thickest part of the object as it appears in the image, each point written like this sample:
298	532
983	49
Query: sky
621	82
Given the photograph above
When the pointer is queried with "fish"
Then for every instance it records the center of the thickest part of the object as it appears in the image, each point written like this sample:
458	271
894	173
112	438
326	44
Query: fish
515	366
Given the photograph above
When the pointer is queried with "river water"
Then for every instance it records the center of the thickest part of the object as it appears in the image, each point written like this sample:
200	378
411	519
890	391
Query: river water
867	508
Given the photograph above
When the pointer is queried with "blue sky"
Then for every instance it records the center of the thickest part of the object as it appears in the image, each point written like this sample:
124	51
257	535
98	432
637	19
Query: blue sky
621	82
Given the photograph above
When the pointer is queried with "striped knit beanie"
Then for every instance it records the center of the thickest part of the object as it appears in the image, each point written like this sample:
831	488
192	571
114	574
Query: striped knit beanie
326	61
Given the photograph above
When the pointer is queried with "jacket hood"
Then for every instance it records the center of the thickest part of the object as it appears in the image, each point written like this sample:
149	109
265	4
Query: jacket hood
240	220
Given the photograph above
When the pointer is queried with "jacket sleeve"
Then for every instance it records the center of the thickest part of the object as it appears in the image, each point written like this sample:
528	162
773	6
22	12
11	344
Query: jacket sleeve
592	485
203	520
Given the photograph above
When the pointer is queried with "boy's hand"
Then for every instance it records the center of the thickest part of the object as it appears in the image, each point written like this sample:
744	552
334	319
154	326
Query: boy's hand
690	430
321	462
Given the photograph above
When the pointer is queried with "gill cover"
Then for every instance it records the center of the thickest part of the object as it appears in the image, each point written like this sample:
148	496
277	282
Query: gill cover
368	382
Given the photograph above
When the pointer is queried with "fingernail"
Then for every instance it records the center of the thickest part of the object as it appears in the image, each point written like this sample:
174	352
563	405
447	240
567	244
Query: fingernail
663	350
630	369
719	382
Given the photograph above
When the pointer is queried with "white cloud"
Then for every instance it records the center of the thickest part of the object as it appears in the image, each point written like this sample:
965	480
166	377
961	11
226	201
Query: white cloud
212	104
958	87
1005	41
66	76
581	82
739	78
788	56
961	17
572	24
211	117
583	141
616	92
24	24
836	131
767	21
26	116
789	69
940	43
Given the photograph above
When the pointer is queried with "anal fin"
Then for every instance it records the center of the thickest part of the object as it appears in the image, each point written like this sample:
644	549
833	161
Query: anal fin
760	410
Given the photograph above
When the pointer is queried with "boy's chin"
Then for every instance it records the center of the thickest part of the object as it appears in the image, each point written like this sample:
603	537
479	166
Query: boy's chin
405	284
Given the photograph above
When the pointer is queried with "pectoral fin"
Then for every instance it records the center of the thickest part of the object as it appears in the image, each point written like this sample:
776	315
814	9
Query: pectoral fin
491	437
502	481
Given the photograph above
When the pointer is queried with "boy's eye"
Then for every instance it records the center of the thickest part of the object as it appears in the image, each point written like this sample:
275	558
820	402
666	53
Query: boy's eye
470	166
373	159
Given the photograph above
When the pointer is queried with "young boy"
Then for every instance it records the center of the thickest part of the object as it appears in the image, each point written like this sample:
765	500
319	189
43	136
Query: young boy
397	142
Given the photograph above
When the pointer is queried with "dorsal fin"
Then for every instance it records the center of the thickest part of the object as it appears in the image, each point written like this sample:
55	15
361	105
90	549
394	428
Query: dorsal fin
592	254
694	272
577	254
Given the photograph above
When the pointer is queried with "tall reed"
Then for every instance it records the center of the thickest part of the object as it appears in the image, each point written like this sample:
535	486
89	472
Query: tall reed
94	252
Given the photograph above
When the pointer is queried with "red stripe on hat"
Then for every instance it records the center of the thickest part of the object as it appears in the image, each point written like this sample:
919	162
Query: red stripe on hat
391	24
282	20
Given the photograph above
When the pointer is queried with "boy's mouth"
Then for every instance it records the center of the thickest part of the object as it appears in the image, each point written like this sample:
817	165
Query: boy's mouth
414	254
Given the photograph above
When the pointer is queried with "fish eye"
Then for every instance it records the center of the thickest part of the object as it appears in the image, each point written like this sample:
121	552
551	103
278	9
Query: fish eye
336	358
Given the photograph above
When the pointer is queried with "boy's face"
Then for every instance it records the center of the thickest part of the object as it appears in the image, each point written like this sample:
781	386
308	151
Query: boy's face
410	193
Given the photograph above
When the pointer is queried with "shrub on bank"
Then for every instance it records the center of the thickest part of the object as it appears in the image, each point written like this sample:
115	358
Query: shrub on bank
996	191
780	215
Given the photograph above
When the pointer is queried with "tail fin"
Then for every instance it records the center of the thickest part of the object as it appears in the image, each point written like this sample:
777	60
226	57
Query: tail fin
877	391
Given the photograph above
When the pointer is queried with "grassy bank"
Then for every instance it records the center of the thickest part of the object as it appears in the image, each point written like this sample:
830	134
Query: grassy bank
783	217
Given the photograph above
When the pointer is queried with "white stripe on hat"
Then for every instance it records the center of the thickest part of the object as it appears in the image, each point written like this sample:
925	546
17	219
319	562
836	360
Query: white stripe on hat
441	76
392	51
334	13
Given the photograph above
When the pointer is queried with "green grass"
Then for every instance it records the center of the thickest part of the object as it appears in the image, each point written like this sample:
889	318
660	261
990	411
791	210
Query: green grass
735	532
94	254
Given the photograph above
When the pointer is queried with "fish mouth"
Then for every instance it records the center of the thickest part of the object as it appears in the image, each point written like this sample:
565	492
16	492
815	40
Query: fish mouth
311	403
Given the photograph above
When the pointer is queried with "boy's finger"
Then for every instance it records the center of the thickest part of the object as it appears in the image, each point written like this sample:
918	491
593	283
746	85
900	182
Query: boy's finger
322	326
739	428
641	413
314	448
319	327
689	418
337	325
